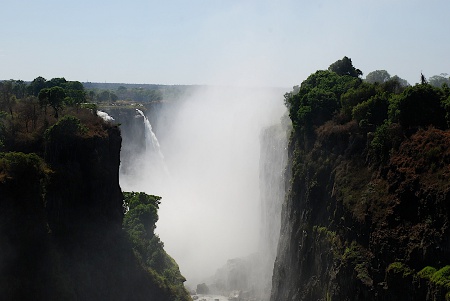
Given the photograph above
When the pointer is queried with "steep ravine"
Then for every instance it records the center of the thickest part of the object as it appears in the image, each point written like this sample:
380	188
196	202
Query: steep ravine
355	231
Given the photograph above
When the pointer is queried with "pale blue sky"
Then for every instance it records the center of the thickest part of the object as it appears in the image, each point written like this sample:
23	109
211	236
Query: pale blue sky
225	42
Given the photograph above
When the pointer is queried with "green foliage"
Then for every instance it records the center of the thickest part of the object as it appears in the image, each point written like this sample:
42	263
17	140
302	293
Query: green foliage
36	86
371	112
106	96
400	268
56	96
318	98
332	238
418	106
139	94
442	277
139	223
20	166
398	83
345	67
378	76
56	82
426	272
381	143
356	256
3	116
68	126
439	80
356	95
7	97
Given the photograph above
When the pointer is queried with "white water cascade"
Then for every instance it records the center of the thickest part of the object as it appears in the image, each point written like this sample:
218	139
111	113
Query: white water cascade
210	207
105	116
137	177
151	141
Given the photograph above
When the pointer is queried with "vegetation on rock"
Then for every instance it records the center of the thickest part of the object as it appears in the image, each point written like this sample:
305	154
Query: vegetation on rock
63	232
369	165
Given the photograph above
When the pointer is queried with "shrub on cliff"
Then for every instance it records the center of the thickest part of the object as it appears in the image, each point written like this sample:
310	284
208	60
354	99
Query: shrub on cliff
68	126
139	223
2	129
21	167
318	98
371	112
355	96
418	106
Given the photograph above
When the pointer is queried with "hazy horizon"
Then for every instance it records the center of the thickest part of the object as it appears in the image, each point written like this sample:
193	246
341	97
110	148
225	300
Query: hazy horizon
264	43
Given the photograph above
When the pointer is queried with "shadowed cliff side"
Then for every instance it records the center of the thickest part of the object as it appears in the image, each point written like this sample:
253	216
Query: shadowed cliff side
353	233
61	221
367	213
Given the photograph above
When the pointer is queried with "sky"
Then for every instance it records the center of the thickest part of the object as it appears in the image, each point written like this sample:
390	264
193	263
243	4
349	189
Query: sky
220	42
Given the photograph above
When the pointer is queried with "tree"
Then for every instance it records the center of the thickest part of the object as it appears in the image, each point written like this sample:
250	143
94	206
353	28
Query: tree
318	97
37	85
439	80
7	99
75	93
54	97
355	96
106	96
57	82
378	76
19	88
372	112
27	112
345	67
400	81
91	95
419	105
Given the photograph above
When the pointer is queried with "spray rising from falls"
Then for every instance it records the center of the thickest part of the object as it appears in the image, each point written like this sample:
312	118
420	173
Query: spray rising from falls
105	116
210	207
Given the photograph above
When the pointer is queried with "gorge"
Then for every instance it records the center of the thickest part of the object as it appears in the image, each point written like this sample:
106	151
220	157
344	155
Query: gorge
346	197
210	179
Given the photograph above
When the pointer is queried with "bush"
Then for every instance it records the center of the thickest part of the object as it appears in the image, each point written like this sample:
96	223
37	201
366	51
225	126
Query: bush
68	126
380	145
442	277
18	164
426	272
356	96
318	98
418	106
139	223
400	268
373	111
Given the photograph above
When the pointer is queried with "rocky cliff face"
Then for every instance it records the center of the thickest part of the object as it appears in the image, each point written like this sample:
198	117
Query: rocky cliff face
61	231
351	231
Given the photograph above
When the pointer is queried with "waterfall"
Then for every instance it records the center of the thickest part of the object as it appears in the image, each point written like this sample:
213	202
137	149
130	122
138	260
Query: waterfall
150	137
143	166
273	160
209	212
252	274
